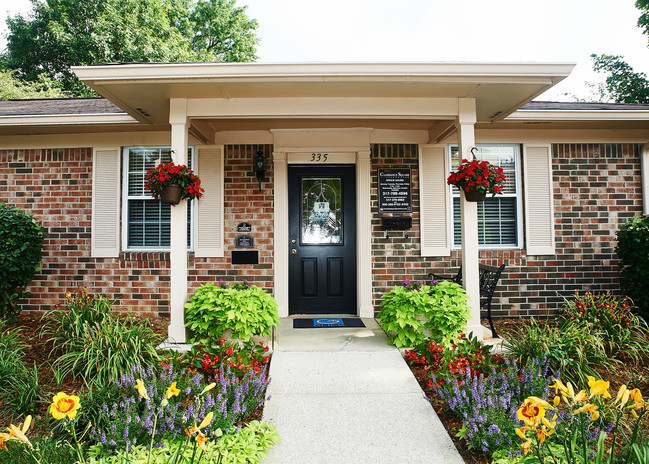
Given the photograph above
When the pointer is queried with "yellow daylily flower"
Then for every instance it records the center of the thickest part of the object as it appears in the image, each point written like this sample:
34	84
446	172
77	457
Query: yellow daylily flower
594	416
3	437
527	446
141	389
18	433
571	391
208	388
581	396
531	412
191	431
636	396
620	393
542	433
521	432
557	400
172	391
207	420
64	406
201	439
559	387
599	388
539	402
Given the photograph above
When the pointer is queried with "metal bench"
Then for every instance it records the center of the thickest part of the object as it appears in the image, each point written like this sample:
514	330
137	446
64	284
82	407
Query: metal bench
489	276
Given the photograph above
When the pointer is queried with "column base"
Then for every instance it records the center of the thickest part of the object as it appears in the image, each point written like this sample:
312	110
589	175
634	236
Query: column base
477	330
177	333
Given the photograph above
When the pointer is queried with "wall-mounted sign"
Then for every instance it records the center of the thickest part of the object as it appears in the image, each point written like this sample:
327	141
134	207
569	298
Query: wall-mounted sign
244	227
244	241
395	190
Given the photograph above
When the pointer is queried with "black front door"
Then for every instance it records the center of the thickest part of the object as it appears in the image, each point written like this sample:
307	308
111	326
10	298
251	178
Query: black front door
322	239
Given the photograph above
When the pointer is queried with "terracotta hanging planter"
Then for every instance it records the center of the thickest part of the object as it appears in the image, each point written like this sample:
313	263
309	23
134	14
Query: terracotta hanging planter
475	196
171	194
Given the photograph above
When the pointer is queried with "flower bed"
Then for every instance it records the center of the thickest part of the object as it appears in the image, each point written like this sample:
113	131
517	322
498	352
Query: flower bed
194	406
502	409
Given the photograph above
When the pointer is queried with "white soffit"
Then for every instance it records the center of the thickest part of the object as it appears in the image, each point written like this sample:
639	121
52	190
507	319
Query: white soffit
144	89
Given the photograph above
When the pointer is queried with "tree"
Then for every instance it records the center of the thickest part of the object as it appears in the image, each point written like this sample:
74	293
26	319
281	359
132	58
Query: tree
59	34
623	84
12	88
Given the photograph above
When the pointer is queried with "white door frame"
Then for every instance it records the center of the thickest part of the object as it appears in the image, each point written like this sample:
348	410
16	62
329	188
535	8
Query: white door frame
298	147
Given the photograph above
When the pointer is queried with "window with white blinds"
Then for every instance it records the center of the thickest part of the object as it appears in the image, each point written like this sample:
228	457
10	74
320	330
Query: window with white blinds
499	217
148	221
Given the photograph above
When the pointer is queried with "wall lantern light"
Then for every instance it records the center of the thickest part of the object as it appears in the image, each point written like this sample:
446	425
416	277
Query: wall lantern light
260	169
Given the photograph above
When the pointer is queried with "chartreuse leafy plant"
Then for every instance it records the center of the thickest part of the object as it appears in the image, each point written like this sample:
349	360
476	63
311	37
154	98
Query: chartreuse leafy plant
243	309
410	311
633	250
21	244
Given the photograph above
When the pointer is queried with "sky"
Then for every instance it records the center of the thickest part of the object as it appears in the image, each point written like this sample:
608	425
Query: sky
550	31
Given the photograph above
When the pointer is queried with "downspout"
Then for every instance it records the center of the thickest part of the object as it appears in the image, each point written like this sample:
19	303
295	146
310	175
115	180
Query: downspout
644	163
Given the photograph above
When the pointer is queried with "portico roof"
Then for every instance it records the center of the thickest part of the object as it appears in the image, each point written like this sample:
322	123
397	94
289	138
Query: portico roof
143	90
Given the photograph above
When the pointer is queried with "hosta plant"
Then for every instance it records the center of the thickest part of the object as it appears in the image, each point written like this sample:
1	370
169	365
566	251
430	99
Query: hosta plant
242	309
410	312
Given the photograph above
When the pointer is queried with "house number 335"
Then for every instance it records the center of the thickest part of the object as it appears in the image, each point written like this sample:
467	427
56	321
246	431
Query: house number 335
319	157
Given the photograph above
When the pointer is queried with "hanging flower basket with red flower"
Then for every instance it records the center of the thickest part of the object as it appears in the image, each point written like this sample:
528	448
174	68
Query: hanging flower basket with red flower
477	178
170	183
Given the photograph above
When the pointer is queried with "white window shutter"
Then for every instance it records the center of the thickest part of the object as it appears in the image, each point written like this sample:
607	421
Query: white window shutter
539	207
209	209
105	202
433	201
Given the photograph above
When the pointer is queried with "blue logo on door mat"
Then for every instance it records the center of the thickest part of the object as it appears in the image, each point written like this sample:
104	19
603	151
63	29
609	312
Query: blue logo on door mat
328	322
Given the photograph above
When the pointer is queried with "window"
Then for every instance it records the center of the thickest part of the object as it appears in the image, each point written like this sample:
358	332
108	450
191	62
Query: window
147	225
499	217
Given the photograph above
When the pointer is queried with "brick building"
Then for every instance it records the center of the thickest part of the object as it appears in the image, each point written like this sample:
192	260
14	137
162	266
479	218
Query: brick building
337	140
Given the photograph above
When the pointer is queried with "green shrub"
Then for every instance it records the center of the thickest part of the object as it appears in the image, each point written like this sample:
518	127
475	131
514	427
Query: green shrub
67	326
94	342
408	312
633	250
110	348
622	332
50	451
569	348
244	309
21	244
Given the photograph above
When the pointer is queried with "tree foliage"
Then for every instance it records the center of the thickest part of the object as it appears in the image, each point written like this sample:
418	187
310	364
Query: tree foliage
58	34
12	88
623	84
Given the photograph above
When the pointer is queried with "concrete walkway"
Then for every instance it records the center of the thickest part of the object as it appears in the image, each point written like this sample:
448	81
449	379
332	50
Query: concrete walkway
344	396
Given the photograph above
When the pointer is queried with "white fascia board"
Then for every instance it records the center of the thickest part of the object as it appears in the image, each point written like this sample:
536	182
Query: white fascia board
332	71
66	119
579	115
319	107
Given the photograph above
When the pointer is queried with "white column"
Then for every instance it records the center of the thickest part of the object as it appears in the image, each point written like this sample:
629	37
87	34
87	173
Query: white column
178	271
364	235
280	173
469	210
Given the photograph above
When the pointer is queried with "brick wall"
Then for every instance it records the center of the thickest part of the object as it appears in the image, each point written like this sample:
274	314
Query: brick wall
243	202
55	186
597	187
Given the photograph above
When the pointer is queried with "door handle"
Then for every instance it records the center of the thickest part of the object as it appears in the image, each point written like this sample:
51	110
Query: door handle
293	251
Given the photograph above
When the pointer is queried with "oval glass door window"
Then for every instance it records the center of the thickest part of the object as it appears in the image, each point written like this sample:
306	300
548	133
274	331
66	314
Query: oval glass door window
322	214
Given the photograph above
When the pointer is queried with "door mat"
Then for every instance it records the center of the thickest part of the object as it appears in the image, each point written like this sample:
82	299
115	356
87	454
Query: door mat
319	322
